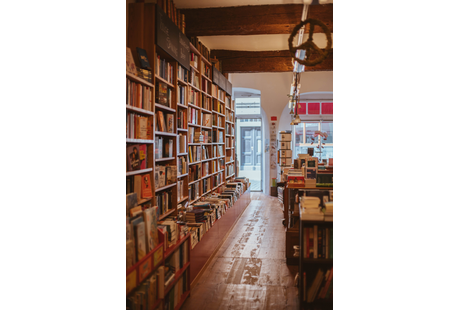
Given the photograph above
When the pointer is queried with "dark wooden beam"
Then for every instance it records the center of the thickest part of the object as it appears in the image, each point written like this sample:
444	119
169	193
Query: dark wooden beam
266	61
252	20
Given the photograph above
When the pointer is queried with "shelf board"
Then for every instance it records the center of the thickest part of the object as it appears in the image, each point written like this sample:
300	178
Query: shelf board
230	176
162	133
176	278
229	122
207	95
139	141
159	78
182	129
206	61
182	82
174	247
220	157
191	182
194	106
206	143
194	163
163	107
180	105
164	215
317	261
182	175
182	154
144	201
206	77
206	127
207	192
183	199
194	87
206	110
139	110
205	160
139	171
164	187
182	300
139	80
198	198
194	125
164	159
230	162
194	144
218	113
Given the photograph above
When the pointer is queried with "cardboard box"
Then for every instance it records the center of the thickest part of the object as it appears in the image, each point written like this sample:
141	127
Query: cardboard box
285	153
285	137
285	145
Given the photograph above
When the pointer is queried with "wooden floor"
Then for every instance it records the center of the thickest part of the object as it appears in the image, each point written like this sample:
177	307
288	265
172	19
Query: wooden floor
249	271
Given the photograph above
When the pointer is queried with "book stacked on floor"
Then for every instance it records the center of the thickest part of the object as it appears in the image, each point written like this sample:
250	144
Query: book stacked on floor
195	216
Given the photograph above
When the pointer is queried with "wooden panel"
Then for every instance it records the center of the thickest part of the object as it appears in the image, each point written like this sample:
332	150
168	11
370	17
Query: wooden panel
263	61
252	20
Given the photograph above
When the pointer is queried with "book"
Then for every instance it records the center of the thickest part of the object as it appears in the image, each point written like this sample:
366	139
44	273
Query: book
149	229
161	93
161	175
138	186
146	186
131	202
143	59
169	122
161	121
129	254
130	65
140	239
134	158
142	128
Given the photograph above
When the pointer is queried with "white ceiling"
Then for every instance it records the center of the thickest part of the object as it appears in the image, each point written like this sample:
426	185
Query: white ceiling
269	42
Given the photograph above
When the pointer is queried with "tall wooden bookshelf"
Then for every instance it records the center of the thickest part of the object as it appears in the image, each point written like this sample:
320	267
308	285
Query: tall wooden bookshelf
198	104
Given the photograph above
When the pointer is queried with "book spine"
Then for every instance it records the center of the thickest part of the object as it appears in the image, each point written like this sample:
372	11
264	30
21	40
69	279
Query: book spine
315	241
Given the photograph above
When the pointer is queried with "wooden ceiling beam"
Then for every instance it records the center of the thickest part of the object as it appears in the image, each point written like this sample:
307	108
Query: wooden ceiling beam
263	61
252	20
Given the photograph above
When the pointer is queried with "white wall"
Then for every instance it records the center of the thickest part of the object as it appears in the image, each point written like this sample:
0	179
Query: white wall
274	88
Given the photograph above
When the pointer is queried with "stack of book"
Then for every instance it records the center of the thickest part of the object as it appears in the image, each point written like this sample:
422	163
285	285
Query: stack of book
195	216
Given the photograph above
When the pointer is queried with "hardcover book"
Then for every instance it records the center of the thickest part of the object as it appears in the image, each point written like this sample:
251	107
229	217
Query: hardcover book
146	186
161	175
131	202
130	65
140	239
134	158
161	93
143	59
170	122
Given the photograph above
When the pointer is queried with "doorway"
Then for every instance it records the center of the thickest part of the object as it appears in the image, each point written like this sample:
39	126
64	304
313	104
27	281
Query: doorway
250	150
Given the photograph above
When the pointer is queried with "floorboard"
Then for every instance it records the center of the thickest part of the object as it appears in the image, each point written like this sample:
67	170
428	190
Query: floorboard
249	270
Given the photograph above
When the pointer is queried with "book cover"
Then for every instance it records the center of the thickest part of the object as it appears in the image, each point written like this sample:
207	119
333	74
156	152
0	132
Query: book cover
142	128
161	176
138	186
161	121
148	229
143	59
146	186
143	156
129	254
161	93
170	122
134	158
131	202
140	239
130	65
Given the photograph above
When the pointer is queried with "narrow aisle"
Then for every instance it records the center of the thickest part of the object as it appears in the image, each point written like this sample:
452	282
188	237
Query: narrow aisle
249	271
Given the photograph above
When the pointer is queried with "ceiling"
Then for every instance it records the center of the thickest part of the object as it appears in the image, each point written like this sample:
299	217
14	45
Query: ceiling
252	42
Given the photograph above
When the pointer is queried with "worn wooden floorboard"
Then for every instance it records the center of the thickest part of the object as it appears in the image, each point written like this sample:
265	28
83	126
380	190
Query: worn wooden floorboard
249	270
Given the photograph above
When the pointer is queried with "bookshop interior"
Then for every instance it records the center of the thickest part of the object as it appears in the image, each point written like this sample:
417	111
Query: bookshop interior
229	154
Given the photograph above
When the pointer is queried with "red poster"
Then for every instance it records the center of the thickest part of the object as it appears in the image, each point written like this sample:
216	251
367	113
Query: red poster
302	108
326	108
274	118
313	108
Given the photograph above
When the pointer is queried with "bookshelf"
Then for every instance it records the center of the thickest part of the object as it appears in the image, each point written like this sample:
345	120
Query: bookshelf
315	263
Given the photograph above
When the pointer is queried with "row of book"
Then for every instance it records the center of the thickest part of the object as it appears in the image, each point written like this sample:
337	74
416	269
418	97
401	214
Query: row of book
205	86
182	119
217	136
230	169
207	120
213	181
181	165
138	95
194	76
320	287
182	74
147	293
182	143
217	120
165	175
202	49
194	63
164	201
206	103
164	121
164	69
194	153
163	147
193	116
206	70
229	130
175	294
218	107
180	189
193	96
138	127
229	142
194	172
193	190
173	13
139	184
218	93
136	157
218	150
163	94
141	229
317	242
229	116
181	92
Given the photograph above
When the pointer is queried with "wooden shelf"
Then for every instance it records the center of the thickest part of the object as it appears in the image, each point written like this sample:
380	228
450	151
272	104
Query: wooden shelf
191	182
174	247
166	214
230	162
194	144
206	78
180	105
182	129
184	198
160	79
142	201
139	141
165	187
205	127
317	261
194	163
164	159
162	133
182	82
182	154
139	80
230	176
139	171
194	106
205	160
229	122
182	300
163	107
194	87
139	110
194	125
218	113
182	175
176	277
207	192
